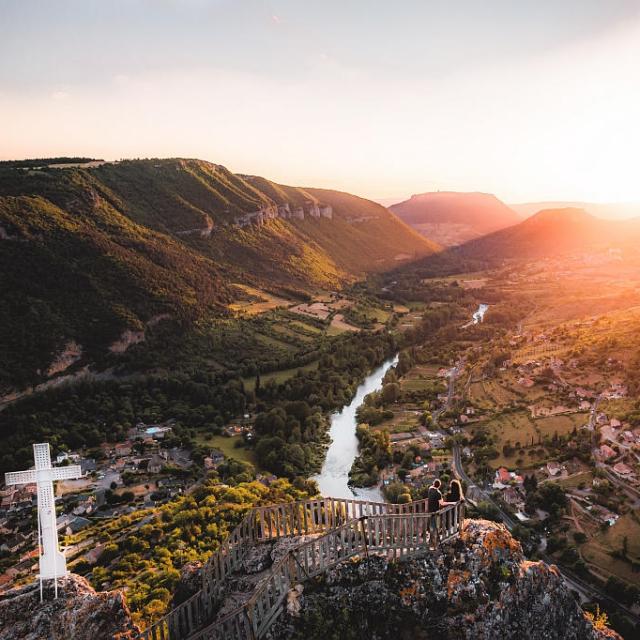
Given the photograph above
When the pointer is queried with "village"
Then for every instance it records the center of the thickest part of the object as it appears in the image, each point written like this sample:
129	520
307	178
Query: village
141	472
541	421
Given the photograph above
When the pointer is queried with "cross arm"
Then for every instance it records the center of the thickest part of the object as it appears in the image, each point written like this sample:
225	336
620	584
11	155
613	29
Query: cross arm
20	477
66	473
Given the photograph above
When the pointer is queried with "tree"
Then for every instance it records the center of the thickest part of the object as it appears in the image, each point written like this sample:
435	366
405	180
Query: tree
390	393
579	537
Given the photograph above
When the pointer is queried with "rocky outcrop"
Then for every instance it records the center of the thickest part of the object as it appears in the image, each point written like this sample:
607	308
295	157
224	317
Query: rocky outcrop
71	353
478	587
79	613
127	338
284	212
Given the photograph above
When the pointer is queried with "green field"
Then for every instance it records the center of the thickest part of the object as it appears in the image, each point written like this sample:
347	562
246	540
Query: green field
278	376
561	424
597	550
226	445
585	477
513	428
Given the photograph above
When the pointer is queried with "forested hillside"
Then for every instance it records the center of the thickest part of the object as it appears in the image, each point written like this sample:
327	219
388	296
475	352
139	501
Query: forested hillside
89	253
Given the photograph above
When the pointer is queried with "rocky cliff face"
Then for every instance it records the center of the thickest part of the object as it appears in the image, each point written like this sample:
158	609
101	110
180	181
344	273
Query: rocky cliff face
79	613
479	587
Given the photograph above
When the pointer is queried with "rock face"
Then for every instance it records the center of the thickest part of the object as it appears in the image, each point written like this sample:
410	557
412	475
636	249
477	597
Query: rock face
79	613
480	587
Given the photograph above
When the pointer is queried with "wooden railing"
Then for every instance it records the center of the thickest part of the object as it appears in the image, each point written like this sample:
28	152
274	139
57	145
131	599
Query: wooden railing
347	528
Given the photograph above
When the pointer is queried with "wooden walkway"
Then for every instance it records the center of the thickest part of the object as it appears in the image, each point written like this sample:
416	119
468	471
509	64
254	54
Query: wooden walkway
342	528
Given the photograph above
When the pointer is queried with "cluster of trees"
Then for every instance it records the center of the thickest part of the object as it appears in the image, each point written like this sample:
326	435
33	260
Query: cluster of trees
289	438
90	413
375	454
144	551
549	497
290	427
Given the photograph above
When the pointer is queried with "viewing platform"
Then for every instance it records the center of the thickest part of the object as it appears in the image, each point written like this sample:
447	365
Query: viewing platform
331	530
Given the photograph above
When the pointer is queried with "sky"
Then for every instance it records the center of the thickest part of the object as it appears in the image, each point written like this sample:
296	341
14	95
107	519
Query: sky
530	100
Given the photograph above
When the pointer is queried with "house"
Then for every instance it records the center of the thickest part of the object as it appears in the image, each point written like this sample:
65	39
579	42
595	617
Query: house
623	470
267	479
156	464
505	478
122	449
93	555
502	478
63	521
85	506
605	452
609	433
88	465
157	432
65	456
512	497
397	437
553	468
77	524
14	544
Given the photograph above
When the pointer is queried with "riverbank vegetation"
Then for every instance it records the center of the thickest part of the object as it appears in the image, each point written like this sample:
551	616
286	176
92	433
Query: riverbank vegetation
374	455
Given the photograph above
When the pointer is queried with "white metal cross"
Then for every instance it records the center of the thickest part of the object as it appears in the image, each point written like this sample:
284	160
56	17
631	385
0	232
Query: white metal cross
52	560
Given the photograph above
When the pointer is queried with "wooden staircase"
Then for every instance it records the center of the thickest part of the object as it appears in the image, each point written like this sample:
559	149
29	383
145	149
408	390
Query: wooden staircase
341	529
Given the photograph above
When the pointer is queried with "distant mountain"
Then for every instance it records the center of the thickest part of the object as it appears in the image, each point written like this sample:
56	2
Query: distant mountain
554	232
451	218
608	211
93	252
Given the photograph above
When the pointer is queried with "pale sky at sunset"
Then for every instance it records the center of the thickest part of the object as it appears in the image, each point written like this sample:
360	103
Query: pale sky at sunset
529	100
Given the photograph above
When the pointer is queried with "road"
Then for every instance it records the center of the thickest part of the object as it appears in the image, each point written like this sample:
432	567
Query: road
594	413
453	374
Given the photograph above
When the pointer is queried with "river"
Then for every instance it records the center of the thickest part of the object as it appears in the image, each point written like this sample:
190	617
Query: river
333	480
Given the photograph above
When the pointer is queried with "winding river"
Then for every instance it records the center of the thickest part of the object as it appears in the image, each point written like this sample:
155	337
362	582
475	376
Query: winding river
333	480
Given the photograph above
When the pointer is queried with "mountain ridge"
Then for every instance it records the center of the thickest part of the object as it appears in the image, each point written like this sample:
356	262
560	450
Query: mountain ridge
451	217
552	232
88	253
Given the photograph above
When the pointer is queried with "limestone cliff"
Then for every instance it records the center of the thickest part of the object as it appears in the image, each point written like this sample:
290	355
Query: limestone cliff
479	587
79	613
